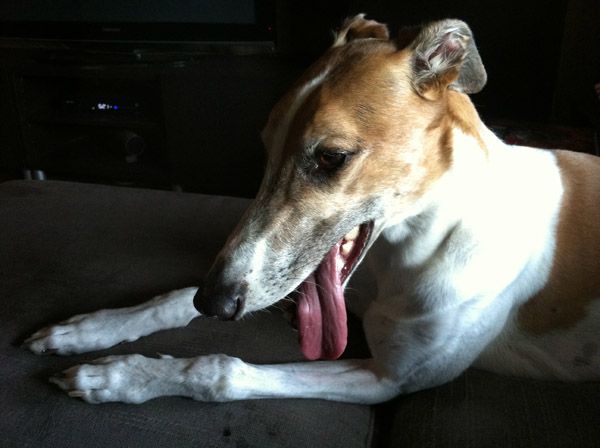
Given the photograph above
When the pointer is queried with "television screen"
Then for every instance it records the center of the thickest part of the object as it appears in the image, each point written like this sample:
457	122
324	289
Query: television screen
139	20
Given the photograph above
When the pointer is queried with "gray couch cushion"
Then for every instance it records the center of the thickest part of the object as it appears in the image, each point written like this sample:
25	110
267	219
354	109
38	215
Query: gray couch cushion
69	248
481	409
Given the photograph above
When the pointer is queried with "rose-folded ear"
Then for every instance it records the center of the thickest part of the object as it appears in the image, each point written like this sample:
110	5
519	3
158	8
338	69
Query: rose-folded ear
445	56
358	27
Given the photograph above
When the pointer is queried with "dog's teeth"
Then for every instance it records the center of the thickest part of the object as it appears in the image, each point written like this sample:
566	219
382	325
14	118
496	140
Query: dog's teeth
347	248
351	236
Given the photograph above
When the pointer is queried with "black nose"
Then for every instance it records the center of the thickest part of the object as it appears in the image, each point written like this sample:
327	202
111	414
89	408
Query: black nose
222	305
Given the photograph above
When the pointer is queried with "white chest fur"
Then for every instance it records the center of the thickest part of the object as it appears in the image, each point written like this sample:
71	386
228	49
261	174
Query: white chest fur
479	244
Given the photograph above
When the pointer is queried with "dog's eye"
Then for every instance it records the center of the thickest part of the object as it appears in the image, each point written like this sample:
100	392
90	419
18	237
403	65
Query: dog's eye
328	160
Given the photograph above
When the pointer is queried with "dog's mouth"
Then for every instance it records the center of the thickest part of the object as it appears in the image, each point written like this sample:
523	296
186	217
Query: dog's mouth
321	309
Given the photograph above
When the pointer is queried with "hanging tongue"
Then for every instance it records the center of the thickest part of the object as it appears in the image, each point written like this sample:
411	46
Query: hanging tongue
322	327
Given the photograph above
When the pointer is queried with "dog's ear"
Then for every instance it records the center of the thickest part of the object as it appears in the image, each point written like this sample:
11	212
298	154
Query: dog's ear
358	27
445	56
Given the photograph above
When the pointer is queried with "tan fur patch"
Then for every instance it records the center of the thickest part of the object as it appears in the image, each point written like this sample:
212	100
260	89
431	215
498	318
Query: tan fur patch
400	142
463	115
575	277
383	116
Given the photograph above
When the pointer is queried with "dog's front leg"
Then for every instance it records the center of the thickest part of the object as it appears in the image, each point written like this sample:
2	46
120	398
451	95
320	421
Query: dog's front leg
105	328
135	378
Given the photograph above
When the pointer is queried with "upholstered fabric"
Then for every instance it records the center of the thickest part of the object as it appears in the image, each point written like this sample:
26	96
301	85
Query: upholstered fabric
68	248
480	410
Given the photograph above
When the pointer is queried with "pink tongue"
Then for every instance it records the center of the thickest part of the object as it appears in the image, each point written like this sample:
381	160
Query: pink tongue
322	327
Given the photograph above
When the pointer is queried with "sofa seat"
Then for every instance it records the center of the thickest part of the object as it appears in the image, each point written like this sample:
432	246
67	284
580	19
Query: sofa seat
69	248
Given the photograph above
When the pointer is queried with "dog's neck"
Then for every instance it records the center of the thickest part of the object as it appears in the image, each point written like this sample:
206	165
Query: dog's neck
459	192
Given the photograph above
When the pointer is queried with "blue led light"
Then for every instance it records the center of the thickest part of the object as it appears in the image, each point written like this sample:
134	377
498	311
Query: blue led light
106	106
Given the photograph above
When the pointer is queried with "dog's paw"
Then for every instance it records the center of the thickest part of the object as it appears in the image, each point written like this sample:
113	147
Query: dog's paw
127	379
80	334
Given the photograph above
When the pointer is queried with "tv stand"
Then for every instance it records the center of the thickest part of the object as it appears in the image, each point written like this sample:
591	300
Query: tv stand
152	115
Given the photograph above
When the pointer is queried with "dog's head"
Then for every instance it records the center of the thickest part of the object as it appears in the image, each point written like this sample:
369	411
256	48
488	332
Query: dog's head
352	148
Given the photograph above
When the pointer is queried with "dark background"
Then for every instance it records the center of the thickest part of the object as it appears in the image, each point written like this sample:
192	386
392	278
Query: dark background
193	93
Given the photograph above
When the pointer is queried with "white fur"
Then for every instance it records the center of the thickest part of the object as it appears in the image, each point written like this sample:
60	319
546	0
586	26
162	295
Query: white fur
462	298
435	312
571	354
450	273
105	328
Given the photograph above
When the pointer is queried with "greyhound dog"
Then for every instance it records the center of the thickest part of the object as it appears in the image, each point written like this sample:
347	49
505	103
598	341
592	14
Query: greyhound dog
483	253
